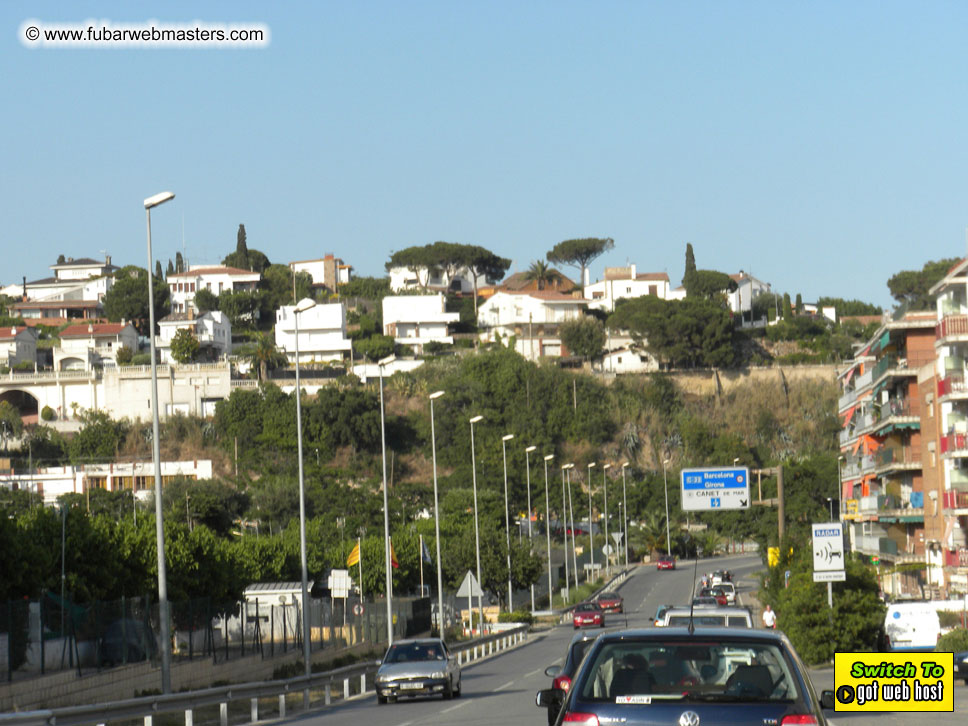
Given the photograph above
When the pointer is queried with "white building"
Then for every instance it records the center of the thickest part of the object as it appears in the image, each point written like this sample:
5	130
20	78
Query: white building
17	345
462	280
328	272
416	320
748	288
625	282
85	346
531	319
212	329
322	333
74	292
184	285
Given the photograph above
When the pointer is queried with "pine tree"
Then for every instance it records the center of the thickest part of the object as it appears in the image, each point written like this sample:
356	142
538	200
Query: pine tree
690	260
171	268
179	262
240	245
787	309
158	271
799	303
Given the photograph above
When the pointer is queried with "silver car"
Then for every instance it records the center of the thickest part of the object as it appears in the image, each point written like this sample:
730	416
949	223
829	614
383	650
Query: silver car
419	667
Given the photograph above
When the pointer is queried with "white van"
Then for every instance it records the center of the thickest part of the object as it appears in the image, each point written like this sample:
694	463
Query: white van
912	626
708	617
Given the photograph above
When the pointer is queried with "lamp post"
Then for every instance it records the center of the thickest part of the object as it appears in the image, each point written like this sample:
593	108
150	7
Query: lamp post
830	504
301	307
625	515
477	536
507	513
840	488
564	530
665	480
608	559
386	507
591	541
571	517
548	458
163	614
527	465
440	580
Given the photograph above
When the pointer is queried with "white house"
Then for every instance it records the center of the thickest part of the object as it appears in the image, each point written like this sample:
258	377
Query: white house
74	292
531	318
328	272
625	360
17	345
213	330
625	282
87	345
748	288
462	280
322	333
184	285
416	320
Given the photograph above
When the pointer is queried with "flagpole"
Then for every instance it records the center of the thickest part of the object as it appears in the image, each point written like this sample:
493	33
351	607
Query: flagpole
421	566
359	544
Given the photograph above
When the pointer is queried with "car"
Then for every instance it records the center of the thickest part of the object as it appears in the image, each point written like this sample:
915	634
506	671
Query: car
725	617
913	626
961	665
610	602
587	613
675	675
417	667
705	601
561	675
665	562
714	592
659	619
729	590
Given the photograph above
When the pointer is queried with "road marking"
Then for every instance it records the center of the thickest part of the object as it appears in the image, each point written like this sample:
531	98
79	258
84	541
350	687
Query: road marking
453	708
405	723
535	672
501	688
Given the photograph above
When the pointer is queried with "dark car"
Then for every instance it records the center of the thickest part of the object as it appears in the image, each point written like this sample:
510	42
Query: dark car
561	675
665	562
674	676
587	613
961	665
610	602
127	641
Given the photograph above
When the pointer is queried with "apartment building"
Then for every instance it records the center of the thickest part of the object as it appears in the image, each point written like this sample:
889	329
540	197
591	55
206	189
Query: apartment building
328	272
625	282
184	285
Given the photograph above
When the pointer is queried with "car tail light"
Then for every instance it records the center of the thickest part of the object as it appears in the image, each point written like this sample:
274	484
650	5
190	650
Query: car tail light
588	719
801	718
562	683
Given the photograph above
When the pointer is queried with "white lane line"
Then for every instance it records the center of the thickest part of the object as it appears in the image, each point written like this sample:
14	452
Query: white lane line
535	672
405	723
501	688
454	708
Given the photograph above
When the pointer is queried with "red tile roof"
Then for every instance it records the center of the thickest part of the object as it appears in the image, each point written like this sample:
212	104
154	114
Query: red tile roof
212	271
98	329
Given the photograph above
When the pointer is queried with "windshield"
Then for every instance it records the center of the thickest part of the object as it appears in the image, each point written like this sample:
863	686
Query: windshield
713	671
407	652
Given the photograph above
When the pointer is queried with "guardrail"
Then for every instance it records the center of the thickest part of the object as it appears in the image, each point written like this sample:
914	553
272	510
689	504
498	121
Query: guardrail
328	686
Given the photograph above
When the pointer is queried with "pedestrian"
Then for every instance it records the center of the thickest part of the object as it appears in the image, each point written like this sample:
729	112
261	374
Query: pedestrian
769	618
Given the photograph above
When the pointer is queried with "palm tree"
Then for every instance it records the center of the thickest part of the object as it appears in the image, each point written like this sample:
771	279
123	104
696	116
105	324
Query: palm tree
266	355
541	273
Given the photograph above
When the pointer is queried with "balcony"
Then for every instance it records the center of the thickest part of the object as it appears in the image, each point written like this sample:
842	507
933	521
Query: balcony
955	502
952	386
898	366
951	329
956	558
905	458
954	445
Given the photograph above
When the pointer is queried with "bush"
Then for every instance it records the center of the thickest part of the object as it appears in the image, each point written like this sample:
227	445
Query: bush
953	642
518	616
950	619
47	413
25	366
141	359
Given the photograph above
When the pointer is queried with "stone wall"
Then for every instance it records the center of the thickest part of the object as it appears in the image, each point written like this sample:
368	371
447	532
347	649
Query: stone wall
710	382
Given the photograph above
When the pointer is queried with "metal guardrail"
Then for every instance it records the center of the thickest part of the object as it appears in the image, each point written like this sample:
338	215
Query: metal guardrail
353	679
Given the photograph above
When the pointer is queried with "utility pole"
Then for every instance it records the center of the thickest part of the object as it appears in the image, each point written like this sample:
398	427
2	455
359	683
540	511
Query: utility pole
780	515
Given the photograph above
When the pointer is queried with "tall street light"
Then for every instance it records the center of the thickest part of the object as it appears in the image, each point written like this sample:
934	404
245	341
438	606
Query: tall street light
163	614
301	307
625	515
507	513
840	488
527	465
548	458
591	541
386	507
477	536
665	479
440	580
608	560
571	517
564	528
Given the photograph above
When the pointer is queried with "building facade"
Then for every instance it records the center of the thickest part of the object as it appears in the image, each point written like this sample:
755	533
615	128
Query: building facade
416	320
182	286
529	320
322	333
212	329
625	282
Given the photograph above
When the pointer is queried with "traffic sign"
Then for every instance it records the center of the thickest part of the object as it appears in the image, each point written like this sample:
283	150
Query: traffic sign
828	547
469	587
839	576
358	609
710	489
607	550
617	536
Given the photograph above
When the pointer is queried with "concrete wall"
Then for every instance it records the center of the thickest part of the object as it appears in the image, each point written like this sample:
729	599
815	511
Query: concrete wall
707	382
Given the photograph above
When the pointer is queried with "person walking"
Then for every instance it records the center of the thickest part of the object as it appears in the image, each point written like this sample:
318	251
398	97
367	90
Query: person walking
769	618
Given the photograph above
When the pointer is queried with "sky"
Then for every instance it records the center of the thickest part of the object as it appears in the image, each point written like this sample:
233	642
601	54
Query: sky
820	146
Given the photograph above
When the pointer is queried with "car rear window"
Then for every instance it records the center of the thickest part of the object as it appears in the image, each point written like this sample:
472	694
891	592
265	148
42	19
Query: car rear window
693	670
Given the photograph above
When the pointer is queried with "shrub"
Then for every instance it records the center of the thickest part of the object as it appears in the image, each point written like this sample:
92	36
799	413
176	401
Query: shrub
25	366
518	616
953	642
950	619
47	413
141	359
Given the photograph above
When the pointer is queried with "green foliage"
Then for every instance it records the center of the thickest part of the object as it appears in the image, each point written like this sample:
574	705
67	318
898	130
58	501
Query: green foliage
952	619
184	346
848	307
141	359
953	642
11	425
205	300
584	336
910	287
375	347
787	307
277	289
242	308
123	356
690	262
98	440
579	252
367	288
128	298
540	273
709	285
47	413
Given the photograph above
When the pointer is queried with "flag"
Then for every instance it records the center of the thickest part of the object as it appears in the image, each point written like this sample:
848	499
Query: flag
354	557
393	558
425	552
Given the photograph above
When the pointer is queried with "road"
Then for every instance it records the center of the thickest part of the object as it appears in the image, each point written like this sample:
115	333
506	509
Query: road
501	690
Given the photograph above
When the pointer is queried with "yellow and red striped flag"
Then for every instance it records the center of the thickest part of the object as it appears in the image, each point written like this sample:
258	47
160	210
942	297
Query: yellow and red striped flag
354	557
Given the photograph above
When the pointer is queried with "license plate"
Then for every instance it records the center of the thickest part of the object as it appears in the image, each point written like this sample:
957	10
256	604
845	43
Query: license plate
411	686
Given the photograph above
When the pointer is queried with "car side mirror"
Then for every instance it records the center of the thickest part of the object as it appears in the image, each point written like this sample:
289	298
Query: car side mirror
545	698
378	661
552	671
827	700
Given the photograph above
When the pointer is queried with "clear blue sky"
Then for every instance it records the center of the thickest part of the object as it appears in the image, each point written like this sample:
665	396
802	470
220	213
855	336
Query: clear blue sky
820	145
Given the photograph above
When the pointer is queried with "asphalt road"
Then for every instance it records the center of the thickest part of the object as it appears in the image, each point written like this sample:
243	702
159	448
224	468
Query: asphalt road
501	689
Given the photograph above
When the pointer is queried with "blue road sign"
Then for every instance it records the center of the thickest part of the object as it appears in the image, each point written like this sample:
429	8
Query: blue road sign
725	488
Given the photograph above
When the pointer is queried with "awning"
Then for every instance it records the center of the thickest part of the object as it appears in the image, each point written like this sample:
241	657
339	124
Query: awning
885	339
848	414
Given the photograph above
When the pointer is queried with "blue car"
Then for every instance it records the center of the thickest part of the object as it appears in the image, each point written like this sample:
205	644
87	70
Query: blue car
961	665
696	677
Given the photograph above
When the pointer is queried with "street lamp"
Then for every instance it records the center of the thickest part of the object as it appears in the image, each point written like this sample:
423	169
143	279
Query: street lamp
625	515
440	580
163	614
301	307
548	458
564	529
527	465
608	560
665	479
840	488
830	504
386	507
507	512
591	541
571	516
477	536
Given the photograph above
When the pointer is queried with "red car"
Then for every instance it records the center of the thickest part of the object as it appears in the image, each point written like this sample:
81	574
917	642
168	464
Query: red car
588	613
666	562
610	602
